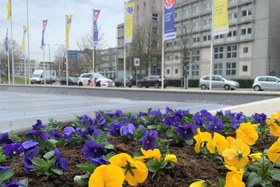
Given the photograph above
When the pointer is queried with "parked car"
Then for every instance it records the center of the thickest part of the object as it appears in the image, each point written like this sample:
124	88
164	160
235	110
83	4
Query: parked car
119	82
71	81
266	83
96	79
217	81
153	80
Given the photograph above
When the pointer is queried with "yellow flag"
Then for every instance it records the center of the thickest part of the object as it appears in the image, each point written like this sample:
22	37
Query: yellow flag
23	38
9	10
220	17
68	26
129	14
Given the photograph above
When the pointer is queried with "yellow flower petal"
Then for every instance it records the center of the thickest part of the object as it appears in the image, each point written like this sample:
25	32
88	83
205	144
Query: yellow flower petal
170	158
247	133
201	138
106	175
149	154
273	152
255	156
200	183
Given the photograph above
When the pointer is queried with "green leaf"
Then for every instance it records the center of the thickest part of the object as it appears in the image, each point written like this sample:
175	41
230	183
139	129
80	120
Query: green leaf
23	182
169	133
80	181
253	179
87	167
151	127
108	145
221	182
275	174
189	142
57	171
5	175
49	155
40	163
152	166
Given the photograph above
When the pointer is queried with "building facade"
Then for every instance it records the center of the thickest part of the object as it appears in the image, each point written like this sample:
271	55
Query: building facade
251	47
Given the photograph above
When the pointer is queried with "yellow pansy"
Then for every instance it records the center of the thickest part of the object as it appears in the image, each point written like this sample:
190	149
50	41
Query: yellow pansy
201	138
274	129
149	154
237	154
200	183
247	133
135	171
234	177
255	156
273	152
170	158
218	143
106	175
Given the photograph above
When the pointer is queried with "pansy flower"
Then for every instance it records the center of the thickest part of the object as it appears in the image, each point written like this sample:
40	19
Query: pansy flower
170	158
98	161
59	161
135	171
234	177
101	122
247	133
186	131
201	139
106	175
68	131
149	140
215	125
255	156
92	149
236	120
237	154
31	150
41	134
114	128
218	143
13	183
260	118
273	152
199	183
149	154
127	130
39	125
86	120
4	138
11	149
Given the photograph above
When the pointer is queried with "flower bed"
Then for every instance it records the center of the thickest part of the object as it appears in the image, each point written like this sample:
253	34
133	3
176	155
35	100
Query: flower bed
174	148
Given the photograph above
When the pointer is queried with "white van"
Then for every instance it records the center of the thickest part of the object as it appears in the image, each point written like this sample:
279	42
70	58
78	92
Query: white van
38	76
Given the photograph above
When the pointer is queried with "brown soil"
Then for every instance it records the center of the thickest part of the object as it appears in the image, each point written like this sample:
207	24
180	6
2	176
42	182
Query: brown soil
189	168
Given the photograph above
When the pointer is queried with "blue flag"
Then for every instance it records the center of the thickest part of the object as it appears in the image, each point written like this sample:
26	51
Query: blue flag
43	33
95	15
169	29
6	44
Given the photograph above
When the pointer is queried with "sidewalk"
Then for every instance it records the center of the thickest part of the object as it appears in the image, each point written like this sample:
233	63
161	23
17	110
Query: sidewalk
267	107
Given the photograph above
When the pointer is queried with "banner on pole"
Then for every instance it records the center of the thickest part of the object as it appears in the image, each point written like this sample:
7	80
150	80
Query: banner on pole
128	25
220	17
9	10
95	15
68	26
6	44
23	38
169	29
136	62
43	33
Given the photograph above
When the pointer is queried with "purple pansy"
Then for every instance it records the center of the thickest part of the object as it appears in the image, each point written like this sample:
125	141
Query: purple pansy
149	140
68	131
58	161
260	118
55	133
91	130
114	128
4	138
127	130
172	120
215	125
39	125
86	120
101	122
186	131
92	150
13	184
40	133
4	168
10	149
98	161
31	150
237	119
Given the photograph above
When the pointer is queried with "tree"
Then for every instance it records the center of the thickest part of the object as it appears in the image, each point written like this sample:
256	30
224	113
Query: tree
59	59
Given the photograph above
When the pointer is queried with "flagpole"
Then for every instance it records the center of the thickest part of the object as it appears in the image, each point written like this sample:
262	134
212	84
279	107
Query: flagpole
8	54
162	49
28	49
211	47
124	50
44	64
93	43
66	47
12	47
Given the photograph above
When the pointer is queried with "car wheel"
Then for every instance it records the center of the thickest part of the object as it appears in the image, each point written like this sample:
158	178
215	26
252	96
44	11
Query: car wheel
157	85
203	87
227	87
257	88
139	85
80	84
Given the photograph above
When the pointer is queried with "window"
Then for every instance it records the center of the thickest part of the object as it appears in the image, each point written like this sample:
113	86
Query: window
246	31
206	38
168	71
196	39
232	33
245	49
244	68
231	68
155	30
218	69
219	36
195	55
232	16
207	21
219	53
246	13
232	51
155	17
195	70
176	57
176	71
169	44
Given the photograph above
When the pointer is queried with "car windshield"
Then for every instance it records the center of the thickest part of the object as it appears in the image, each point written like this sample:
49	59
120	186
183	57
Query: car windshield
36	75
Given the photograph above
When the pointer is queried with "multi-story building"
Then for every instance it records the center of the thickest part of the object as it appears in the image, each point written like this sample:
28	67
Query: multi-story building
251	47
106	61
20	67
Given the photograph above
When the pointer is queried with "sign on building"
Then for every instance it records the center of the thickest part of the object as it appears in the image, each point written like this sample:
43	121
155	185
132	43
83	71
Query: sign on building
136	62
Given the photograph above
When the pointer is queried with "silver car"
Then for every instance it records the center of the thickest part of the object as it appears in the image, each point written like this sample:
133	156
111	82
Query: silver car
266	83
217	81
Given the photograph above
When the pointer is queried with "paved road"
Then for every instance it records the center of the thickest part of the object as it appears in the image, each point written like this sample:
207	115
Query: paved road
20	106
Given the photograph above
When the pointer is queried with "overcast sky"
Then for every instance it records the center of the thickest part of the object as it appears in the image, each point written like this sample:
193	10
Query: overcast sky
54	11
